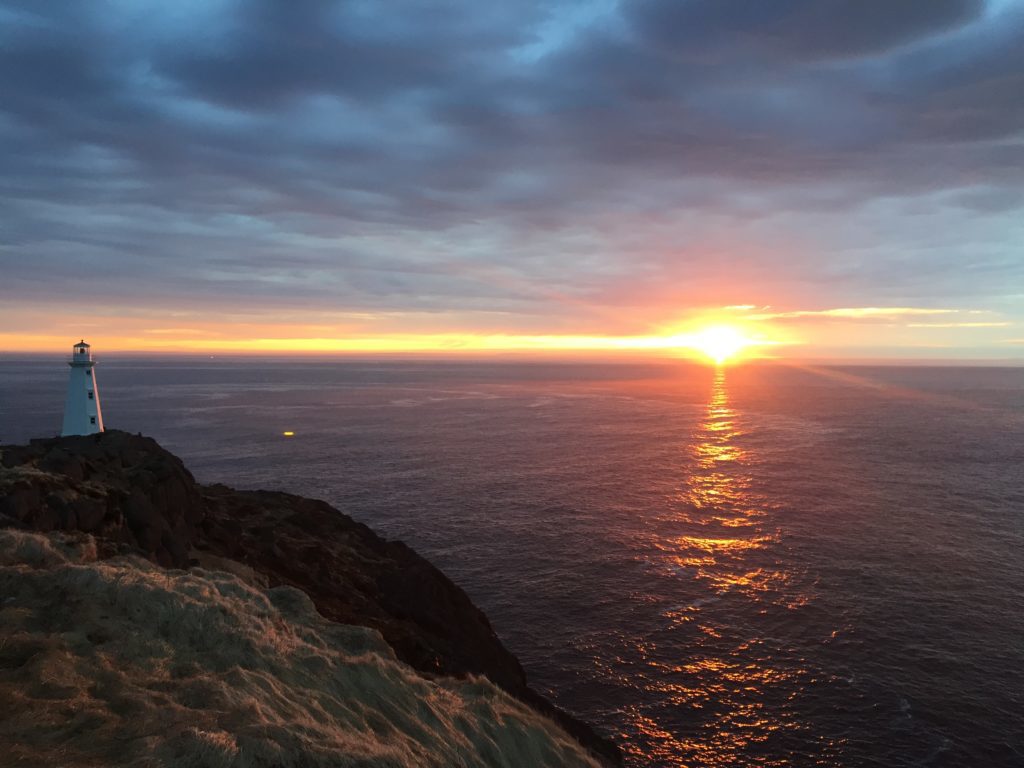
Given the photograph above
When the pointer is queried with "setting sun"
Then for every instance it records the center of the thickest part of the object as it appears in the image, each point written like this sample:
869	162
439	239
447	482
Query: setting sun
719	343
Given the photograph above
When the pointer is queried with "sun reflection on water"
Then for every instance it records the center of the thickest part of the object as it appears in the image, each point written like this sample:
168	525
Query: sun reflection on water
718	488
736	687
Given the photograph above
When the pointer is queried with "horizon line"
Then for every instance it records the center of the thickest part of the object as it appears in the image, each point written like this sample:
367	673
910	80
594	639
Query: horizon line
514	356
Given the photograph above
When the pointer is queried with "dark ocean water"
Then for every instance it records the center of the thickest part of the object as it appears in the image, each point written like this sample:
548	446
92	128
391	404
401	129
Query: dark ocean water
767	566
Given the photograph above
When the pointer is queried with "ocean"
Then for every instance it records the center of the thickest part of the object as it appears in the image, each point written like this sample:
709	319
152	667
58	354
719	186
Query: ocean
766	564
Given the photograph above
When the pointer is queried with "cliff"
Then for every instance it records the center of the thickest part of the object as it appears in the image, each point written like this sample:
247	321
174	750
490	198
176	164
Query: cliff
134	498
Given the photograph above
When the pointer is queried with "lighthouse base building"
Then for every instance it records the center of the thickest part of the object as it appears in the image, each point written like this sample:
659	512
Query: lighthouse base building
82	414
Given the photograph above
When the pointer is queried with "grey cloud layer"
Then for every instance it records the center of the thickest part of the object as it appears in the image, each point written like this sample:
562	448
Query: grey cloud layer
409	155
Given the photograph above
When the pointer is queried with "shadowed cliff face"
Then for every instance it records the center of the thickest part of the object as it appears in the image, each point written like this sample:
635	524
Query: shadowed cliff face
135	497
122	487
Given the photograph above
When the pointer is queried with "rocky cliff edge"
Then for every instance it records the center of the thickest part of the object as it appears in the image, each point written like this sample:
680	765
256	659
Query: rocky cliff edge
134	498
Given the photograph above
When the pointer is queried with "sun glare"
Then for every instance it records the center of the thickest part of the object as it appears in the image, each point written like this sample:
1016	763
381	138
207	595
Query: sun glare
719	343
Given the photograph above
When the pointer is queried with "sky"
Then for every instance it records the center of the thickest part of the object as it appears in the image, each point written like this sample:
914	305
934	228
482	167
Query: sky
833	178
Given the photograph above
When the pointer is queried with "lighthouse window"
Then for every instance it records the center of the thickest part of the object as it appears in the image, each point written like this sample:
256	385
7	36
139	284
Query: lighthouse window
92	419
90	394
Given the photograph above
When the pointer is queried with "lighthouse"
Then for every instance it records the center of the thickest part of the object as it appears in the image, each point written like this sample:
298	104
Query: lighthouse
82	415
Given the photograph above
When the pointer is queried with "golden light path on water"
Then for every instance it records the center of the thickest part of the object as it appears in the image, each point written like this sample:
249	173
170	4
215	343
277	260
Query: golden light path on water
723	675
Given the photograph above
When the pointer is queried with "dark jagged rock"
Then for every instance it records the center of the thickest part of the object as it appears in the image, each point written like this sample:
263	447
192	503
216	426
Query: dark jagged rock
121	487
134	496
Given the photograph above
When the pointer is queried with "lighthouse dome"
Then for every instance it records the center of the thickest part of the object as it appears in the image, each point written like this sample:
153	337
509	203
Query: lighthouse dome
81	351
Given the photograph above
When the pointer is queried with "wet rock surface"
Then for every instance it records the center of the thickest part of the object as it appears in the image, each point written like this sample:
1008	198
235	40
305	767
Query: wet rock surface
135	497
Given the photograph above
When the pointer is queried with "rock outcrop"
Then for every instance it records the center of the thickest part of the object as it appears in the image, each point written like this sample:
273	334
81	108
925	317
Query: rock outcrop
121	487
134	497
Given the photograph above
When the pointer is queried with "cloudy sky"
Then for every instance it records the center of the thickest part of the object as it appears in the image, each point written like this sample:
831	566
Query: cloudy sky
843	175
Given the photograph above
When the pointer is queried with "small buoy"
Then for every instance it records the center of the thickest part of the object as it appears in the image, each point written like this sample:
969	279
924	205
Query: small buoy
288	434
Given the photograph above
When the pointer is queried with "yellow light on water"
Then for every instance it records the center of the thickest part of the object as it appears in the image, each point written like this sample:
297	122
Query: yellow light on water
288	434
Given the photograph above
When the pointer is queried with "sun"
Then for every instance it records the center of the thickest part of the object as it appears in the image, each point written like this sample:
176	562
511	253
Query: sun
719	343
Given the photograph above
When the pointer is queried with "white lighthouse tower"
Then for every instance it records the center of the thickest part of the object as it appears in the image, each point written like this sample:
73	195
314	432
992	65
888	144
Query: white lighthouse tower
82	415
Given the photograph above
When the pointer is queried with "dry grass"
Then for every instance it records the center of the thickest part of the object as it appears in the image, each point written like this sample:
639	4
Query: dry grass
119	662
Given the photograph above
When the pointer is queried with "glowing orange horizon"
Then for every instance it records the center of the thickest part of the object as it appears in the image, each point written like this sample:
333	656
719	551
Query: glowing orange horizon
719	335
715	343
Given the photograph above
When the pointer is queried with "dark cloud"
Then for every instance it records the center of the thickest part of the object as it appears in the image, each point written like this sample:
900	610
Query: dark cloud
460	155
710	30
276	51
